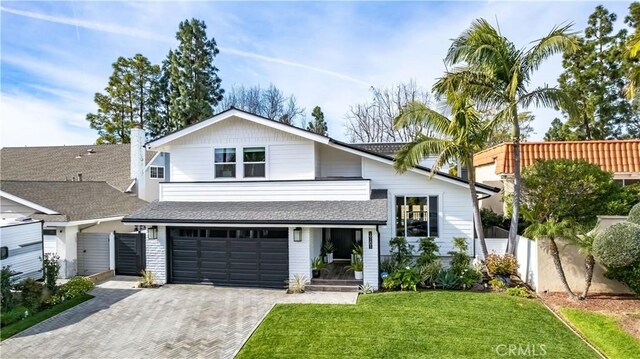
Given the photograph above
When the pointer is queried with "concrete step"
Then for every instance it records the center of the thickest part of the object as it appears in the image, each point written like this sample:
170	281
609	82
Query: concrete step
323	281
331	288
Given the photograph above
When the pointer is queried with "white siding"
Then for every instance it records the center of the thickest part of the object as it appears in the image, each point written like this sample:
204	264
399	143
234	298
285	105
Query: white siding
455	212
355	190
192	163
316	242
300	254
156	255
291	161
337	163
50	244
12	209
93	253
27	260
370	258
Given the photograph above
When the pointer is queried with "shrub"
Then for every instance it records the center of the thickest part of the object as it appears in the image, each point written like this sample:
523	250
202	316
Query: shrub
31	293
51	264
401	251
618	246
406	278
469	277
634	215
428	251
629	275
148	280
429	272
447	279
493	219
497	284
459	259
298	284
6	297
365	288
14	315
622	200
519	292
502	265
388	266
75	287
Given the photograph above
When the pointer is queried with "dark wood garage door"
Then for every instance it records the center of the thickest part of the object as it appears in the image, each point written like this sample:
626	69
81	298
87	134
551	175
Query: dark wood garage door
252	257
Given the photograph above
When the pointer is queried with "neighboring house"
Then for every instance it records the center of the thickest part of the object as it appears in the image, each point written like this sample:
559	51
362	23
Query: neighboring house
494	166
250	202
81	193
21	247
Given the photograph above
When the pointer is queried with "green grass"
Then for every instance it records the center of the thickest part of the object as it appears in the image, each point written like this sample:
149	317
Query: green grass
604	332
15	328
438	324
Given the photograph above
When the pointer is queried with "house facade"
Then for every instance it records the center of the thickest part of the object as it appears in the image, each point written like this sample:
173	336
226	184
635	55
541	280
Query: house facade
494	166
251	202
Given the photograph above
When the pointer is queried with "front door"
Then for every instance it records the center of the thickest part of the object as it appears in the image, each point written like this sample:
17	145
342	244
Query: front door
343	240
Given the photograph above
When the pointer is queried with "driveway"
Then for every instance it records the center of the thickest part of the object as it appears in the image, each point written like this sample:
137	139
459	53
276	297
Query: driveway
182	321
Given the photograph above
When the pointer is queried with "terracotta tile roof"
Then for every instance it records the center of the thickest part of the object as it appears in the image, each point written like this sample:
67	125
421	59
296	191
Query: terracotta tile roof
618	156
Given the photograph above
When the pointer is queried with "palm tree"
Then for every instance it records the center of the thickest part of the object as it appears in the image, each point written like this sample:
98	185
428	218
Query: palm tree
584	240
495	74
549	229
634	73
454	139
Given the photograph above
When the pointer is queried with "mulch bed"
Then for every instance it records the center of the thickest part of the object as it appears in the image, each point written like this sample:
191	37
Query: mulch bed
625	307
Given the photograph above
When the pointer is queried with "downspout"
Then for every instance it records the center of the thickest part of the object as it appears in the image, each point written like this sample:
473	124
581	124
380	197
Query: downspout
378	274
42	237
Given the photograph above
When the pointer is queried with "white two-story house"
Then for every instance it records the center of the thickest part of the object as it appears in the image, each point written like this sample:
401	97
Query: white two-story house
251	201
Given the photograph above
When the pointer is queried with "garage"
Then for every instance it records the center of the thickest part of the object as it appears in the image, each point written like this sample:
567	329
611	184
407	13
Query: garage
248	257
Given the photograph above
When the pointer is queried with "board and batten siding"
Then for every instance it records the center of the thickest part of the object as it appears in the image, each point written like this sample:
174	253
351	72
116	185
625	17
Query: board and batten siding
346	190
455	212
337	163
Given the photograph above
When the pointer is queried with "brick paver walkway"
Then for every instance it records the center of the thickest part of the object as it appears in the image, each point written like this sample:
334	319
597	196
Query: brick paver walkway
175	321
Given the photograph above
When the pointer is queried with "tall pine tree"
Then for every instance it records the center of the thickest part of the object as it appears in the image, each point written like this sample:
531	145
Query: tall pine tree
194	86
318	125
127	101
593	78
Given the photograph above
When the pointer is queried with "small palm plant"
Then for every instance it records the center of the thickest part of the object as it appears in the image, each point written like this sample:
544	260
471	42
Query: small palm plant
584	240
356	267
328	250
148	279
317	265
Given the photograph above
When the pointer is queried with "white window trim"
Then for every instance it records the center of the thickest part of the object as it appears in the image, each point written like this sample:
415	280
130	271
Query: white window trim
440	212
163	172
224	163
254	163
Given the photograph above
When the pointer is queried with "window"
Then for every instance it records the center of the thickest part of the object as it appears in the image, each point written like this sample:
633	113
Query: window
417	216
49	231
254	161
225	162
156	172
4	252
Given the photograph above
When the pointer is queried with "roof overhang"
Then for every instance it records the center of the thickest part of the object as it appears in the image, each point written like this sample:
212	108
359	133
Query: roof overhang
83	222
27	203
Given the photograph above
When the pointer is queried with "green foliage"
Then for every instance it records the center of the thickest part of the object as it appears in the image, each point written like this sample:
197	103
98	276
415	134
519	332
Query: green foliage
128	100
357	265
634	214
14	315
51	264
428	251
493	219
404	278
75	287
318	264
459	258
519	292
194	85
497	284
6	297
566	190
629	275
501	265
365	288
469	277
618	245
31	294
388	265
593	78
401	251
622	200
429	272
318	125
447	279
357	250
328	247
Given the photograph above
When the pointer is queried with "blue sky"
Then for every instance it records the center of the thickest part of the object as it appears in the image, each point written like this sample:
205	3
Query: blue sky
56	55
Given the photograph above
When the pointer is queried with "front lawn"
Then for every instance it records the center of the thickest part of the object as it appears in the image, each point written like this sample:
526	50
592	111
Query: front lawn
17	327
604	332
416	324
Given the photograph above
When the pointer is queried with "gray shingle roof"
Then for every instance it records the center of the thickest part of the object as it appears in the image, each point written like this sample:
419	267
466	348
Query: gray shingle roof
373	211
110	163
383	148
75	201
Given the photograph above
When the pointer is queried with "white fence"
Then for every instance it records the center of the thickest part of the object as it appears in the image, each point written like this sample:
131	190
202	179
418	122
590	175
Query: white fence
526	253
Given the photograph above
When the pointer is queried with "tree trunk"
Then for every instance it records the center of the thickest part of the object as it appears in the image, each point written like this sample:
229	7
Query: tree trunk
589	264
477	219
513	228
555	254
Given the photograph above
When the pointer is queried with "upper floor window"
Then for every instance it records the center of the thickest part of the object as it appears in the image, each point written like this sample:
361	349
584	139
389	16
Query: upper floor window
417	216
225	162
254	161
156	172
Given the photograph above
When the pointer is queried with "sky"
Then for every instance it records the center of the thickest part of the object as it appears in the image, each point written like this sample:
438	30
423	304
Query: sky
54	56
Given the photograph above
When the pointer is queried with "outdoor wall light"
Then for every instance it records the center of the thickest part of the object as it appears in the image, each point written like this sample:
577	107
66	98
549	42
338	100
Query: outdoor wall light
370	240
152	232
297	234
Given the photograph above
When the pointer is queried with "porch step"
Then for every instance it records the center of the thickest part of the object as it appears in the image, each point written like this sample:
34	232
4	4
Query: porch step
329	281
331	288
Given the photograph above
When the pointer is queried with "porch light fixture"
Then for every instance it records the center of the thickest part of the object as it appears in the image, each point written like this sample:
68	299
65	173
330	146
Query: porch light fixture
370	240
152	232
297	234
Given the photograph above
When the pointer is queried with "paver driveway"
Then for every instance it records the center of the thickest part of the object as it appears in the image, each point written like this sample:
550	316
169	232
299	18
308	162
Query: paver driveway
182	321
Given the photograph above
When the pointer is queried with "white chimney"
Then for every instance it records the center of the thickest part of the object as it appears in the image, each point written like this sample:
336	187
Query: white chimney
138	158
